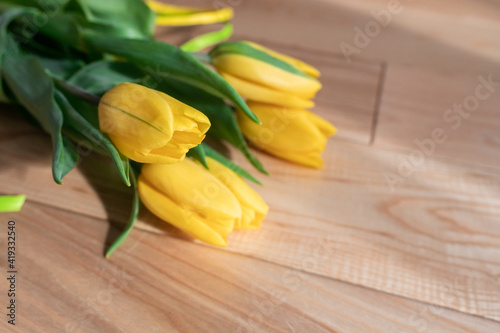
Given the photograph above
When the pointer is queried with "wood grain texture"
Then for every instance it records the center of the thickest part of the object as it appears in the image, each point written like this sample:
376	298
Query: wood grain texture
378	220
417	102
432	237
159	284
450	35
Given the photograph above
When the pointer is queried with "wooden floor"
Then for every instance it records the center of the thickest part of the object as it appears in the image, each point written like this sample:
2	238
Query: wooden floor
399	233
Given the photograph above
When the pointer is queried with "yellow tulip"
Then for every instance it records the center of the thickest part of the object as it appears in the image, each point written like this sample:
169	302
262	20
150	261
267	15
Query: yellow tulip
187	196
296	135
149	126
172	15
253	208
266	76
206	204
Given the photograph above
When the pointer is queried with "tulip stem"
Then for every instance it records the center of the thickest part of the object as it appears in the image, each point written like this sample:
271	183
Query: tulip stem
78	92
203	57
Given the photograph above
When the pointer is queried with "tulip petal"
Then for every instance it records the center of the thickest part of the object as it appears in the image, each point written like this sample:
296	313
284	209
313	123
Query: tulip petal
196	18
247	50
149	126
293	134
160	155
191	186
283	129
138	114
311	159
163	8
187	139
306	68
185	116
265	74
186	220
254	209
259	93
324	126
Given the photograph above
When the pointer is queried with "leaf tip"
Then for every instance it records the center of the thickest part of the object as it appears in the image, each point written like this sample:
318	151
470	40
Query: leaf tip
109	252
255	119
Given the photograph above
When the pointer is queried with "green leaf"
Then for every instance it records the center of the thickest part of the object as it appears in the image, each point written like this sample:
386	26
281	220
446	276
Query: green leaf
223	121
131	221
208	39
124	18
63	29
69	18
34	3
25	3
64	160
210	152
60	68
163	60
34	90
11	203
78	123
5	19
198	153
245	49
100	76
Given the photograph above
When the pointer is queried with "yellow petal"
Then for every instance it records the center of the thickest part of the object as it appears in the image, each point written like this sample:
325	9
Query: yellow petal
131	112
194	188
186	118
163	8
310	159
293	134
159	155
196	18
323	125
265	74
186	220
283	129
254	209
306	68
149	126
263	94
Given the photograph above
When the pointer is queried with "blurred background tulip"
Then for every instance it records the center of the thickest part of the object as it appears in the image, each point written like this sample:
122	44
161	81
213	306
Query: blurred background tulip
149	126
293	134
263	75
172	15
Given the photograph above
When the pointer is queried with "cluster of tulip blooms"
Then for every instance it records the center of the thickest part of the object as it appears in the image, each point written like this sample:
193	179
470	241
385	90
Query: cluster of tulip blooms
157	124
151	127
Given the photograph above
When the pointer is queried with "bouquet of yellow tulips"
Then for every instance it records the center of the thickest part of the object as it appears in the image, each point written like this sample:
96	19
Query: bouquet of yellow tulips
91	73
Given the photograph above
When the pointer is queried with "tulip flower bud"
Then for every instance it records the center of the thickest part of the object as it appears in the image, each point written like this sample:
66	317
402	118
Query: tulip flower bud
149	126
266	76
293	134
187	196
206	204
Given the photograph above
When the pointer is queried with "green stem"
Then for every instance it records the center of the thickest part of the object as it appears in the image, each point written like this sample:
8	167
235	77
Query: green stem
203	41
203	57
78	92
11	203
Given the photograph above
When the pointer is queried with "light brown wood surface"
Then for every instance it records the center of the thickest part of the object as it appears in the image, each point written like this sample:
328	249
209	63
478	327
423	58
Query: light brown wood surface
384	239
